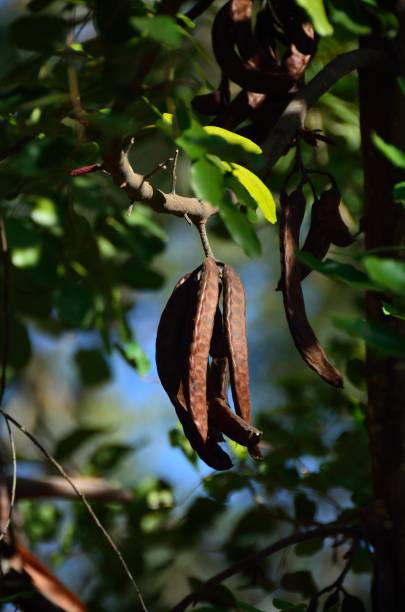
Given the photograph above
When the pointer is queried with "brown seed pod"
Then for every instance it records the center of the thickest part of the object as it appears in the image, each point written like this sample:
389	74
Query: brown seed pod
214	102
233	425
203	323
173	338
219	413
316	243
293	208
235	334
246	74
332	223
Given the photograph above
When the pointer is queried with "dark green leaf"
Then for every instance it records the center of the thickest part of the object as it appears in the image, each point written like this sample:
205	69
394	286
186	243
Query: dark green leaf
38	33
307	549
377	336
159	28
391	152
343	273
93	367
352	604
399	192
108	456
134	356
388	273
68	445
300	582
240	228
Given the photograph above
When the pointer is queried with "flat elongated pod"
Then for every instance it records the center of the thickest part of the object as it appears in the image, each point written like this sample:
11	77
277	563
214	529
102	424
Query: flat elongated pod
317	242
244	73
331	221
218	375
203	324
235	334
293	208
234	426
173	339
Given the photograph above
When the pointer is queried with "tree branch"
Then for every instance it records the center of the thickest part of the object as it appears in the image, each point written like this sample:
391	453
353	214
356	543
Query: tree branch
318	532
137	188
95	489
293	117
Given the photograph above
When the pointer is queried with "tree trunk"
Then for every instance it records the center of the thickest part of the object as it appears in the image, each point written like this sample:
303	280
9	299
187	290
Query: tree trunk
382	109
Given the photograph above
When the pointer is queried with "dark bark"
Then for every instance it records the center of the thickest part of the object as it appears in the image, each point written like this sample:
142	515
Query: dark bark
382	109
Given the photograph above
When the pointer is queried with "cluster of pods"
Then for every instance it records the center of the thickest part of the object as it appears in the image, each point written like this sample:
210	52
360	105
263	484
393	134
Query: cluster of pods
265	56
199	351
326	228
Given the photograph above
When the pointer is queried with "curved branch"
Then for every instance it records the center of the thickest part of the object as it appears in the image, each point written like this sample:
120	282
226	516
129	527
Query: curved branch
292	119
318	532
137	188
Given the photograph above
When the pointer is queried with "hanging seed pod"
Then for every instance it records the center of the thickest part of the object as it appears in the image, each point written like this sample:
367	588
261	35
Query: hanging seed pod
317	243
173	339
219	413
235	333
243	73
203	323
332	223
293	208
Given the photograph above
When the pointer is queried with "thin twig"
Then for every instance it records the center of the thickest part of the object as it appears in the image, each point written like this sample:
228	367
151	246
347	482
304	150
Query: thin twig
323	531
202	230
83	499
174	168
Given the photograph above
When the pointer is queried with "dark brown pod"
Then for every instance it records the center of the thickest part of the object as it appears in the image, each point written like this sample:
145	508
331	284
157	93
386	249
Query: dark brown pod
203	324
293	209
214	102
218	379
317	242
235	334
332	223
244	73
173	339
233	425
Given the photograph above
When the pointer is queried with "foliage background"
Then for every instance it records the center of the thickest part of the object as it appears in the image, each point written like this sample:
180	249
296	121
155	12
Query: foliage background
86	278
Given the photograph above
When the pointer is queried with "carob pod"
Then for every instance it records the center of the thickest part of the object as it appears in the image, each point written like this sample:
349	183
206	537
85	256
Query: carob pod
173	338
293	209
236	340
243	73
214	102
332	223
203	324
220	415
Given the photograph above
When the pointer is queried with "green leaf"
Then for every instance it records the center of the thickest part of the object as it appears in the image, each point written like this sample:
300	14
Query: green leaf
391	152
343	273
399	192
316	10
300	581
257	190
108	456
93	367
160	28
401	83
208	182
38	33
134	356
307	549
377	336
352	604
348	14
388	273
233	139
281	604
240	228
69	444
